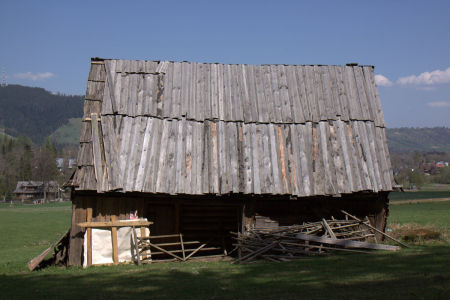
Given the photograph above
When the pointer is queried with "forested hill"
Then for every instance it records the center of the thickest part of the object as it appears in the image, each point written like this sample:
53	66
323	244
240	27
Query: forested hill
418	139
35	112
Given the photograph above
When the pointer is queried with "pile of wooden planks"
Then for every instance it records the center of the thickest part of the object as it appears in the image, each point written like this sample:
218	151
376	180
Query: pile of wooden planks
286	243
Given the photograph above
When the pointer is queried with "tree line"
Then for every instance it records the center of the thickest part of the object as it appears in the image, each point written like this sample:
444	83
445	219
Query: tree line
417	168
21	160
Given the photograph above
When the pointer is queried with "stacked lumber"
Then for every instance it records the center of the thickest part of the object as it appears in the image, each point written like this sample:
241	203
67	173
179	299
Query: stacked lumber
287	243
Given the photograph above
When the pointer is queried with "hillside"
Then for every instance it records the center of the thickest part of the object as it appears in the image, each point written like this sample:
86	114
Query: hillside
418	139
35	112
68	134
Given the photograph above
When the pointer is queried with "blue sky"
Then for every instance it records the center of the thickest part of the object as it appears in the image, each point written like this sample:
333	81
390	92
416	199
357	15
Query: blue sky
49	43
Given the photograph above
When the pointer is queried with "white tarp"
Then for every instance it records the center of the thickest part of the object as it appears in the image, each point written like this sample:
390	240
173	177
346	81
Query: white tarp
102	245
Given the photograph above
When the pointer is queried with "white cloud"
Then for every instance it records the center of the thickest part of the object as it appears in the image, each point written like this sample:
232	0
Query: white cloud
439	104
427	78
381	80
34	76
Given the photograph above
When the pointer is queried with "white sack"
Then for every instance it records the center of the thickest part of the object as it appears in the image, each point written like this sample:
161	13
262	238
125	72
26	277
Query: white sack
102	245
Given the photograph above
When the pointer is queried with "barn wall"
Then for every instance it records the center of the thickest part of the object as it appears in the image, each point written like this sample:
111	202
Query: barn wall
211	218
289	212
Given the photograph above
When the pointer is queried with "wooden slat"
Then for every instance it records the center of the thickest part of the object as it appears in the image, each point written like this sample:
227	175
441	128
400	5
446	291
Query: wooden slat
294	97
98	166
274	96
342	93
319	93
220	92
234	94
186	69
244	93
214	92
357	172
362	94
286	109
162	160
199	156
180	160
311	96
274	160
143	166
346	166
318	163
176	90
297	172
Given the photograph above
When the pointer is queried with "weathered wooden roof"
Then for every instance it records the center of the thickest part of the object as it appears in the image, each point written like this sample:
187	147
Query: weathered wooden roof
34	187
193	128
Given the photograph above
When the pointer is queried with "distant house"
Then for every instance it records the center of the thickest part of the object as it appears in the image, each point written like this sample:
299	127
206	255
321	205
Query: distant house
441	164
60	163
34	190
72	163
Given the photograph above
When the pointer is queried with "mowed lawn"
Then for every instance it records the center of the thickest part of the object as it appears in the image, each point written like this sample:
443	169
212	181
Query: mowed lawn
421	272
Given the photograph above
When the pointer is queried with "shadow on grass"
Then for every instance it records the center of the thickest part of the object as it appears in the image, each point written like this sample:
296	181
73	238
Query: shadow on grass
419	273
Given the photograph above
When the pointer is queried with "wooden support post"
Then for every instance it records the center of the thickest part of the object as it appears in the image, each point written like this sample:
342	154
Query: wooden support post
142	230
182	247
89	236
114	241
136	247
76	232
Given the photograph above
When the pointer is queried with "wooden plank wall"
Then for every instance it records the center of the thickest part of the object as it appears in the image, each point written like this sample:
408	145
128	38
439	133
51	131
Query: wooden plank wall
210	218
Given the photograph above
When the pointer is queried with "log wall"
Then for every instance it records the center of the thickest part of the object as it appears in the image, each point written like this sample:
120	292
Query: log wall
210	218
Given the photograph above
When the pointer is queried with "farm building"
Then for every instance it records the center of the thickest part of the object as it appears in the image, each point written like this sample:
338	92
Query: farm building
37	190
204	149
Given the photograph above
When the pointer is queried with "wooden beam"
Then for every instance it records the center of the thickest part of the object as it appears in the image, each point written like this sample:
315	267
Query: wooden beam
115	223
32	264
327	227
166	251
195	251
345	243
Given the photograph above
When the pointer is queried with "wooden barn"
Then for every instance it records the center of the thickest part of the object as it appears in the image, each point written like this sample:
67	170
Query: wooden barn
203	149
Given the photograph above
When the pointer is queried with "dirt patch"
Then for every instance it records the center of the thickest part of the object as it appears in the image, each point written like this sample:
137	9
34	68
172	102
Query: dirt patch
415	233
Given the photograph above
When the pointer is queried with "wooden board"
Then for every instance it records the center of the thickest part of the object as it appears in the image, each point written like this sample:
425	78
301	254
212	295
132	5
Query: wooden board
345	243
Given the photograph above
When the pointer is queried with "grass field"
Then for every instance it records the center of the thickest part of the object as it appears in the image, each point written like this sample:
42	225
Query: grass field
421	272
429	191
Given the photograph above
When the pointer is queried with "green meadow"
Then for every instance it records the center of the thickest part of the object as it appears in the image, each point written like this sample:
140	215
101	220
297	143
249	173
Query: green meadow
420	272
